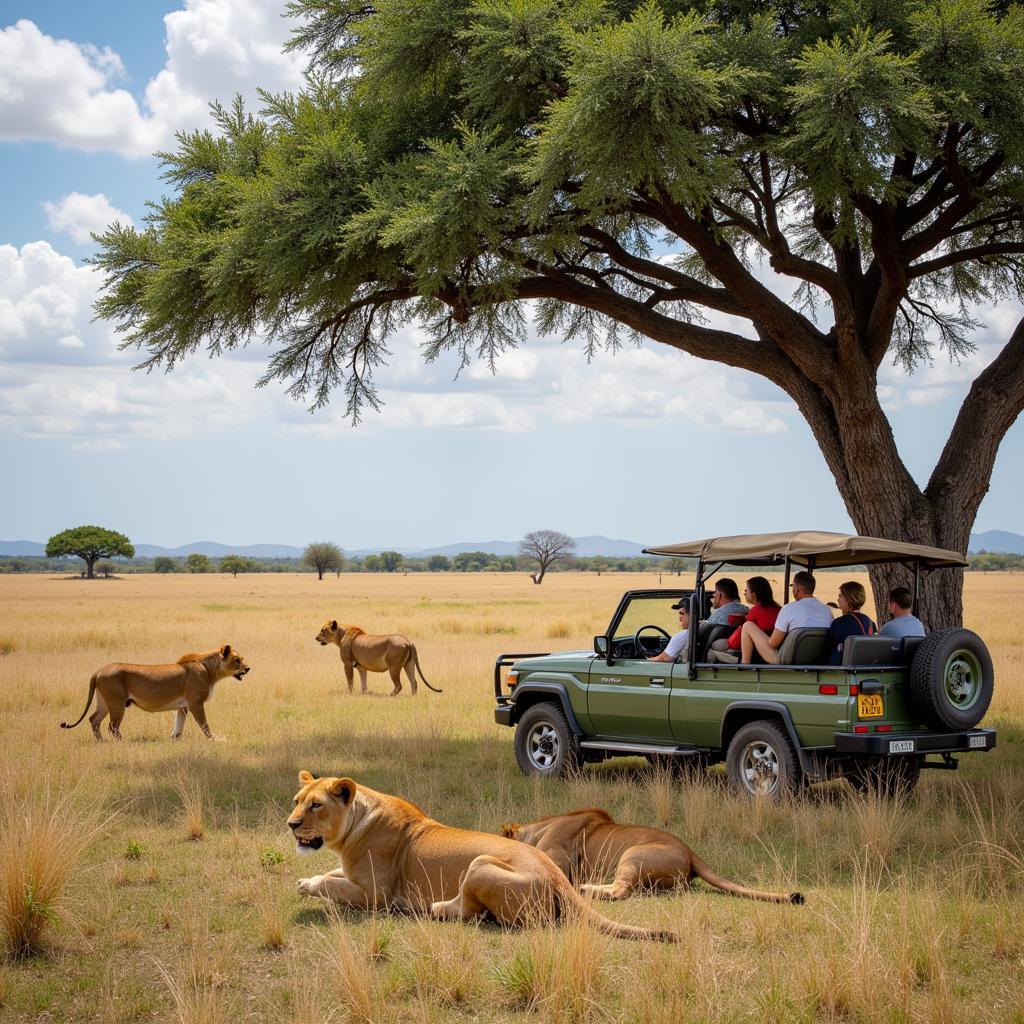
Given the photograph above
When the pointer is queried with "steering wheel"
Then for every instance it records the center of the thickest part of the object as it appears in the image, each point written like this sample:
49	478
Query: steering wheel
638	645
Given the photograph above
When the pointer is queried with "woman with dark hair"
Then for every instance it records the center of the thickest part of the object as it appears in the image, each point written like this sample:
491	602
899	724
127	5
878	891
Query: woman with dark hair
852	622
764	610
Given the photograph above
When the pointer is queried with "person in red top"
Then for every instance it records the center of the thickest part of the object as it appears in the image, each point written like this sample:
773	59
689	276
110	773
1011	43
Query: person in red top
764	610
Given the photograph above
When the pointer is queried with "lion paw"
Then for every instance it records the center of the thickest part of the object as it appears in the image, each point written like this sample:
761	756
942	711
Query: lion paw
310	886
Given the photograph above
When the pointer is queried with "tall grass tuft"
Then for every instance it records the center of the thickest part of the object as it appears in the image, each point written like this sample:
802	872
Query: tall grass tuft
196	1001
355	983
192	794
41	840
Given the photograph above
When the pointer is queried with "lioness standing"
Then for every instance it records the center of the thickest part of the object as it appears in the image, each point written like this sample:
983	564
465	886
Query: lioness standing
394	857
590	844
184	686
375	653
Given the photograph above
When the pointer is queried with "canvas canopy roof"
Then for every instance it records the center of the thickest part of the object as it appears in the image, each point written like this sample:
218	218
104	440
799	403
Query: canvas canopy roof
803	546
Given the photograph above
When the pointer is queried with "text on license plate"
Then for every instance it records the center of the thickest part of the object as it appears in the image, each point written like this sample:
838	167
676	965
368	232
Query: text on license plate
901	746
976	743
869	705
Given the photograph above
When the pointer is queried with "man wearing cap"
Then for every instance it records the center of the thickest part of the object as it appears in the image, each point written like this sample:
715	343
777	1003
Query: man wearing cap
677	644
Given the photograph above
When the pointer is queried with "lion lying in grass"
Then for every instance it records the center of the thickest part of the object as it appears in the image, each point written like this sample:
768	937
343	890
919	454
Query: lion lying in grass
395	857
590	844
375	653
184	686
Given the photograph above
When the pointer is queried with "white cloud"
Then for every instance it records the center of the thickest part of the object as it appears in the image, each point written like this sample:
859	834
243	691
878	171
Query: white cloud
81	215
65	92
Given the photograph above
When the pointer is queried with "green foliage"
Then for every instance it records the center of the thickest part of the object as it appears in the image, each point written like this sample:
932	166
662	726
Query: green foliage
89	543
133	850
323	556
235	564
198	562
390	561
164	564
270	858
439	563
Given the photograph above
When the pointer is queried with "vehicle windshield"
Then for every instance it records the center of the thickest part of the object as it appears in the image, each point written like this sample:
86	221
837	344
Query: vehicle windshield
649	610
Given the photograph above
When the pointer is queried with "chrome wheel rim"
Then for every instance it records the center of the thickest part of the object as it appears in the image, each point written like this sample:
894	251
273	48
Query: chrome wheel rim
962	680
542	746
760	768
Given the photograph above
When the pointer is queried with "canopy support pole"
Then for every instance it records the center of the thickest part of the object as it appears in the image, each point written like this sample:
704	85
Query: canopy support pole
696	605
785	584
917	585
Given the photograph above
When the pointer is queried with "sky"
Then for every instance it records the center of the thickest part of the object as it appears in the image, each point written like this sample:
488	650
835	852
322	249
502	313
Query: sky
647	444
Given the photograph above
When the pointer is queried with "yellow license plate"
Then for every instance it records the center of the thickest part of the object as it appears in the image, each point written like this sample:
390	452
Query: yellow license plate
869	705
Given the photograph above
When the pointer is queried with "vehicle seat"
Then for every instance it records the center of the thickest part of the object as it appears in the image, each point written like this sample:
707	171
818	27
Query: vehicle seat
707	634
871	650
806	646
910	646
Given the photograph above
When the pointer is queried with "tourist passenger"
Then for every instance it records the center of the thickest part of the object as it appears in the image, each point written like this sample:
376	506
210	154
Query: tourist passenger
803	611
764	610
725	601
903	622
677	644
852	621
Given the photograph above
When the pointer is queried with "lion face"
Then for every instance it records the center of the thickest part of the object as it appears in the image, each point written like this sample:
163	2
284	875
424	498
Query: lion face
329	633
321	810
232	663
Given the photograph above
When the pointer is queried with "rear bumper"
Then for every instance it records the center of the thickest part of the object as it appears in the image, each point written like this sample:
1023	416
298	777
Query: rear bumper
895	744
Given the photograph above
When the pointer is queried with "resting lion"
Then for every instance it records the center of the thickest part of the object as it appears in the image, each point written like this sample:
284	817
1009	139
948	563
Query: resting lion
589	844
394	857
184	686
373	653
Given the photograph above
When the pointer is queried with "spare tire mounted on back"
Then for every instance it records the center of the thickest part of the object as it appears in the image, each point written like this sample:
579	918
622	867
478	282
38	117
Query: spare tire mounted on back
951	679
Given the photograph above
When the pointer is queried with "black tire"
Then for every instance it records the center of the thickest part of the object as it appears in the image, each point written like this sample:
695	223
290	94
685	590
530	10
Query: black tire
888	777
951	679
545	745
762	761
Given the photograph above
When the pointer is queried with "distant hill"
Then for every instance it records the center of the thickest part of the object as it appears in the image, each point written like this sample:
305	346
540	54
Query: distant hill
997	540
21	547
215	550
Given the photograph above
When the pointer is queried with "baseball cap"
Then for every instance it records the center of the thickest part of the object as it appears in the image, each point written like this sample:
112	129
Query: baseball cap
683	602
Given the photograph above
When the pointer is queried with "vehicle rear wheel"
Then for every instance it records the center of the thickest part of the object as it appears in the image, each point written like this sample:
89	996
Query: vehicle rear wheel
544	742
888	777
762	761
951	679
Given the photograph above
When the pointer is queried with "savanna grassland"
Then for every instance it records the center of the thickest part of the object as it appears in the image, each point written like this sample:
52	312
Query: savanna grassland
160	879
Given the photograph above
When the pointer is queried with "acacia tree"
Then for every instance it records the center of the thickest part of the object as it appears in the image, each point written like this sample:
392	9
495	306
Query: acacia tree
323	556
547	548
90	543
198	562
451	160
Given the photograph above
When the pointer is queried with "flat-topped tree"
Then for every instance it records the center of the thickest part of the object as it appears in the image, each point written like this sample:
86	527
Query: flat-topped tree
451	160
90	543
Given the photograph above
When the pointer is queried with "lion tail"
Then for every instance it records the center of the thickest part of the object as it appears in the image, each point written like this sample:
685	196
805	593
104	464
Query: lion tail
88	701
423	678
571	899
702	871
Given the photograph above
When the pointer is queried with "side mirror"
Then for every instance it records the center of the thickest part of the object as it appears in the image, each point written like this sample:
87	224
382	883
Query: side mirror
601	646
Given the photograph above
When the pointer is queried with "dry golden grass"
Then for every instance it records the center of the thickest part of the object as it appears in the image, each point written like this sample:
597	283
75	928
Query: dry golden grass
912	909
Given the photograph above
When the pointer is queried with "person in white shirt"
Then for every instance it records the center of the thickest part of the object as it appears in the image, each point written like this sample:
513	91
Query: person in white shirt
677	644
804	610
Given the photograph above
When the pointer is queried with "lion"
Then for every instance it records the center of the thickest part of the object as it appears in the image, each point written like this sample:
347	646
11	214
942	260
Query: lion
184	686
394	857
374	653
590	844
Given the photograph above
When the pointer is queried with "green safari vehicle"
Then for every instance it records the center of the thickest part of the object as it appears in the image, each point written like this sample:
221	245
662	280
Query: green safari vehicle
893	707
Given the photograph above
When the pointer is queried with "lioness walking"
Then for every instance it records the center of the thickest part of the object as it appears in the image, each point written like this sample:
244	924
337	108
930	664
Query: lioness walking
369	652
394	857
589	844
184	686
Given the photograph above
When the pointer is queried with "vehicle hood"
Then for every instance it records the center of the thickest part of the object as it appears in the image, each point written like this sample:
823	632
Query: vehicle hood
563	661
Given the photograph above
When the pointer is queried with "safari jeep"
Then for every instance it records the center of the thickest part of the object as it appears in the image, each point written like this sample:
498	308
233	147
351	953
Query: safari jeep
892	708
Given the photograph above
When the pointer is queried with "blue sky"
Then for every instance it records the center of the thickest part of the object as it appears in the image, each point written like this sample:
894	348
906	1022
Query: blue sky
648	445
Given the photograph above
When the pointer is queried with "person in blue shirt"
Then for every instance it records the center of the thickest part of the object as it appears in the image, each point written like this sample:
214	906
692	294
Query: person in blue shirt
852	621
903	622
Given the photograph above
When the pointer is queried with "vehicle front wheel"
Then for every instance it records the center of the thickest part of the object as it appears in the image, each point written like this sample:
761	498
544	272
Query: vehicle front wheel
762	761
545	744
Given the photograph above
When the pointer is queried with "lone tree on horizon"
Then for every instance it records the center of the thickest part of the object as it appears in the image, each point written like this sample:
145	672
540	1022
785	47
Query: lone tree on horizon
547	548
323	556
90	543
450	162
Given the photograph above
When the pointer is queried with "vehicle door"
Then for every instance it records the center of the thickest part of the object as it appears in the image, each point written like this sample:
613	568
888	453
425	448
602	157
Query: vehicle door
629	699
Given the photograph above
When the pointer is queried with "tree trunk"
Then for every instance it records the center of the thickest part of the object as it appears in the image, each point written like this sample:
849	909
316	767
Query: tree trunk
884	500
90	561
